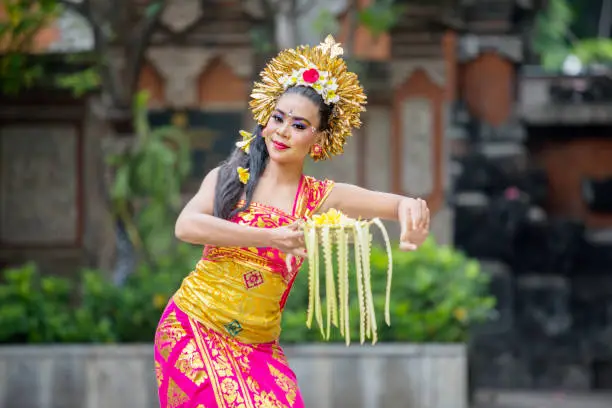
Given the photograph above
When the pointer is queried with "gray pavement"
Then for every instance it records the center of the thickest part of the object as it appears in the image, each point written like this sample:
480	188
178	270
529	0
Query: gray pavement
533	399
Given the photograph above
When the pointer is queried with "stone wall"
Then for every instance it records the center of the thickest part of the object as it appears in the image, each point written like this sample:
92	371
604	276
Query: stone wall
52	199
389	376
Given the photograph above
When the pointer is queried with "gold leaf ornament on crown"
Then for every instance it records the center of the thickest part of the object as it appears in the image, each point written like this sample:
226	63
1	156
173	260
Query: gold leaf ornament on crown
323	69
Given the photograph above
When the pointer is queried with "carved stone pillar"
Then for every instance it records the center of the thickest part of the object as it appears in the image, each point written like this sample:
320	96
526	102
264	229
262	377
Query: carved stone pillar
180	68
419	144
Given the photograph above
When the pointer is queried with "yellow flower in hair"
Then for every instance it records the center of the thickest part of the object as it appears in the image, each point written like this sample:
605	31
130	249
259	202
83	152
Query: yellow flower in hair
243	175
247	138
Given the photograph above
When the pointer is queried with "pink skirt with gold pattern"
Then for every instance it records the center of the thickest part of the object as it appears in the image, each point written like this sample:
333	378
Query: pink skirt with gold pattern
197	367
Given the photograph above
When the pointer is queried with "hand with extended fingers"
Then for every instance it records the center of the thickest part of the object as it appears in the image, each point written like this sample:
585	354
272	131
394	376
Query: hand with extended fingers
414	222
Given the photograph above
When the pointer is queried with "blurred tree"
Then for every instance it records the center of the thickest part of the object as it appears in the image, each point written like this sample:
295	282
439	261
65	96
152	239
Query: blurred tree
566	28
276	23
20	22
146	192
121	31
379	16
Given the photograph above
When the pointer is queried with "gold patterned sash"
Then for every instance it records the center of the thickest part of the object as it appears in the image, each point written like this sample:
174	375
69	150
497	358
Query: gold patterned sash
237	299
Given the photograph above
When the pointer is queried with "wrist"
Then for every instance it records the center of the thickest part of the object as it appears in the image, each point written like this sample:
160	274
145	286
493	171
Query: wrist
402	207
264	237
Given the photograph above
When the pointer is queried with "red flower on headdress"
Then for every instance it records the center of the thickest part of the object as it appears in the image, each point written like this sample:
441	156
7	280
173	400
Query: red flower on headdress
311	76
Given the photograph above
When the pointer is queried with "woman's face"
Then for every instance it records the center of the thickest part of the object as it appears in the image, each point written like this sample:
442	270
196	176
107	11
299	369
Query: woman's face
292	129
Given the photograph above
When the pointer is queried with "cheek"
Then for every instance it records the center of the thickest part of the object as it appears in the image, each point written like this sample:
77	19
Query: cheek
270	128
304	140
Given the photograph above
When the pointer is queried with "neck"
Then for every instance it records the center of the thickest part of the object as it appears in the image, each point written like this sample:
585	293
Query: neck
284	173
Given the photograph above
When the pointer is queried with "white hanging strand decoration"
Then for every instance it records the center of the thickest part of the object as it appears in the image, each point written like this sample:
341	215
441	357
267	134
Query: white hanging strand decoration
330	290
360	295
366	240
343	285
334	229
317	296
383	230
311	244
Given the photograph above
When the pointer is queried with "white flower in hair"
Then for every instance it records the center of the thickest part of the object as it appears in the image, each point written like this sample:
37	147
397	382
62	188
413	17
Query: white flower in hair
320	81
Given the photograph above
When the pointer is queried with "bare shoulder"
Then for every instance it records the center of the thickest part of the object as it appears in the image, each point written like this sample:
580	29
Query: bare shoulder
209	184
203	201
339	191
211	178
334	193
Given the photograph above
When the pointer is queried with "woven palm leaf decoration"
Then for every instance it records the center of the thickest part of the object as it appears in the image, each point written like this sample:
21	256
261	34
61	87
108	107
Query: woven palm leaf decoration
334	229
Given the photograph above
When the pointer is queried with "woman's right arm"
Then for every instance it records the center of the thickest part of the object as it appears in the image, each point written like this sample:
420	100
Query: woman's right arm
196	224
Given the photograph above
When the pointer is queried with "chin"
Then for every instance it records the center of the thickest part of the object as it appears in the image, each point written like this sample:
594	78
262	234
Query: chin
283	158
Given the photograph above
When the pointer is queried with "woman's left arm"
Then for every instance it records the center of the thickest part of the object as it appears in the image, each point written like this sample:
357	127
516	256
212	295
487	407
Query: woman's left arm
357	202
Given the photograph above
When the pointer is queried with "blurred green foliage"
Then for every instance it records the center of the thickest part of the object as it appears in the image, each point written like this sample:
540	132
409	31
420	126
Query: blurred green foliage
554	40
22	21
148	176
380	16
22	67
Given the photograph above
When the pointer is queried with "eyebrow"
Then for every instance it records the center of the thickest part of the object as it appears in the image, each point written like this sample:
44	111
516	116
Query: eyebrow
295	117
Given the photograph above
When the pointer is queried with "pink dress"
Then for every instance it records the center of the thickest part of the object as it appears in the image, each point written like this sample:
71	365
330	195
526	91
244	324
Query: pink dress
216	344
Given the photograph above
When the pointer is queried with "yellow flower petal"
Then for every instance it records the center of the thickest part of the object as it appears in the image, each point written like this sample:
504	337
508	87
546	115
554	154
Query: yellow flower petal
247	138
243	175
331	217
244	145
245	134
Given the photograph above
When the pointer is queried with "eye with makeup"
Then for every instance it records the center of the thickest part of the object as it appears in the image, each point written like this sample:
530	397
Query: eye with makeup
300	126
279	118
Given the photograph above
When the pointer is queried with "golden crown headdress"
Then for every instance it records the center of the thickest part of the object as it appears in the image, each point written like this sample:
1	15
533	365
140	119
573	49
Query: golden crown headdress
322	69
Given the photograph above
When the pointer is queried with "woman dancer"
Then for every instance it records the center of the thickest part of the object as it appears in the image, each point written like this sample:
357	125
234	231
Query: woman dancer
217	341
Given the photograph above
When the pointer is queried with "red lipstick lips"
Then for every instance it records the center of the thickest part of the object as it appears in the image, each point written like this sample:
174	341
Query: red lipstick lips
279	145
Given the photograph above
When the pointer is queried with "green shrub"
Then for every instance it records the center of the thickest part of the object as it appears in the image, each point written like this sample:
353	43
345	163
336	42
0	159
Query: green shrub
437	294
46	309
34	309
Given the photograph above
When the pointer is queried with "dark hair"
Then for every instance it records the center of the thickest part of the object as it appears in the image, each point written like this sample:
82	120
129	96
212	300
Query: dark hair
229	189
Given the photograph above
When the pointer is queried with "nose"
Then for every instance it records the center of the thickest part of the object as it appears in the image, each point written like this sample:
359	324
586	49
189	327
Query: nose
284	130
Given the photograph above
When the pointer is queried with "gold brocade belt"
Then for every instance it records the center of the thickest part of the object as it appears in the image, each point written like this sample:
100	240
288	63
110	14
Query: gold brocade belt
235	299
